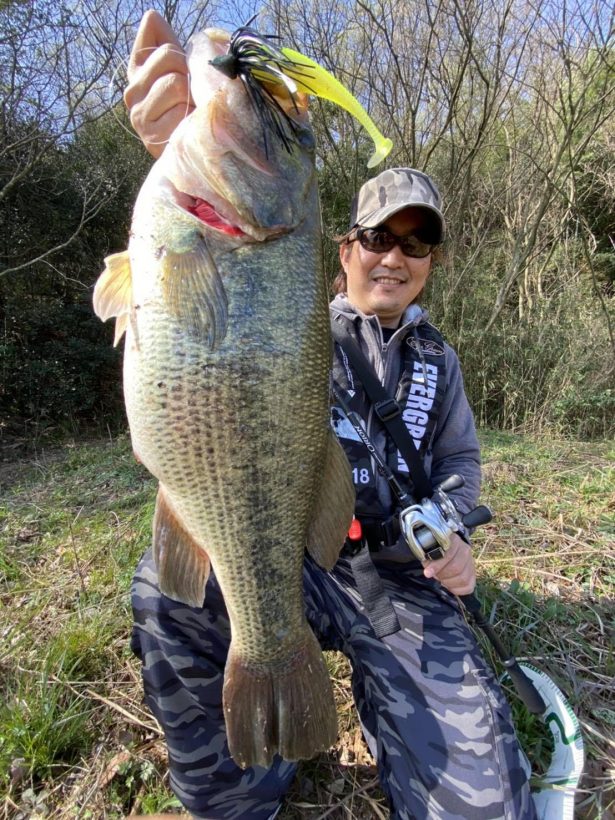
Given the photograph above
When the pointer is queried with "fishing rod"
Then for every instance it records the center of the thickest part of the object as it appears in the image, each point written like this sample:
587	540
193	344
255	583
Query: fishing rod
428	528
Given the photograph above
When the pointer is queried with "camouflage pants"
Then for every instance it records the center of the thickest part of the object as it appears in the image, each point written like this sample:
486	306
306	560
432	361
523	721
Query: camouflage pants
432	713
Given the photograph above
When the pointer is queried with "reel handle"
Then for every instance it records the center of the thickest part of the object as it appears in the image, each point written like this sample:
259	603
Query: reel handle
453	482
476	517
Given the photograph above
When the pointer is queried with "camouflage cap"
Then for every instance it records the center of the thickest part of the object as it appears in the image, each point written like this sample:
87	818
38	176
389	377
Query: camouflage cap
392	191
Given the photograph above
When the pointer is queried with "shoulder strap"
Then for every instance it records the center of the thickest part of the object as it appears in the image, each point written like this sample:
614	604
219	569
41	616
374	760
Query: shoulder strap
387	410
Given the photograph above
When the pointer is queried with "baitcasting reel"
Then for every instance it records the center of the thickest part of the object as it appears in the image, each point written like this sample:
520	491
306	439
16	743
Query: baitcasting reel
428	526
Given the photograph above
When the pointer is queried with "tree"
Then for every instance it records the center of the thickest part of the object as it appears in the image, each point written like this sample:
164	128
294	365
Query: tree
508	105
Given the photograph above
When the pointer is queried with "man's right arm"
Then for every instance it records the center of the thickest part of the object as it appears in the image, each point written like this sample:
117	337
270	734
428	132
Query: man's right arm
158	92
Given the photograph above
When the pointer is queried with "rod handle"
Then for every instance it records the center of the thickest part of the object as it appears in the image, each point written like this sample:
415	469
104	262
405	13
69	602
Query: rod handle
525	688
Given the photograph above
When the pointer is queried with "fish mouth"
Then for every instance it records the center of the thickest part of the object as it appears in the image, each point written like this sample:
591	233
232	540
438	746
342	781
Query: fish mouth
207	204
206	213
218	214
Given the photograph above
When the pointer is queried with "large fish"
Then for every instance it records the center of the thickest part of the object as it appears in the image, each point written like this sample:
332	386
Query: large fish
223	300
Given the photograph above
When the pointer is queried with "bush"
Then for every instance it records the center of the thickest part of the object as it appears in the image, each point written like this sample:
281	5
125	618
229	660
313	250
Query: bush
59	369
544	365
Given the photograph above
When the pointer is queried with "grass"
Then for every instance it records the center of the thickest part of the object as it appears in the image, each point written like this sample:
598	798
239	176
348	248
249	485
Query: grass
75	739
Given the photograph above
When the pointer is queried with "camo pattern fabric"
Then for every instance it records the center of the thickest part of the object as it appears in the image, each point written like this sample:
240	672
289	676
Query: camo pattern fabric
393	189
431	710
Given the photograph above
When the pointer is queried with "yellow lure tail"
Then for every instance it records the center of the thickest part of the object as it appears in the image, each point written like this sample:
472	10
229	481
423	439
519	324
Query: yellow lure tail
313	79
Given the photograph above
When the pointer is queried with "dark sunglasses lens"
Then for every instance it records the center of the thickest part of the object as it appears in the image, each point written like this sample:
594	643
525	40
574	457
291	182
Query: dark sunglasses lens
376	241
414	247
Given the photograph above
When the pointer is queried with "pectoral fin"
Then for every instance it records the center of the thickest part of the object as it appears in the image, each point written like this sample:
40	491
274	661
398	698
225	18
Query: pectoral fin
194	292
113	292
333	509
183	566
121	323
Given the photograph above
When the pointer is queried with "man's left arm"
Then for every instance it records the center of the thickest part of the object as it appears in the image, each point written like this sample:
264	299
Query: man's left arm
455	449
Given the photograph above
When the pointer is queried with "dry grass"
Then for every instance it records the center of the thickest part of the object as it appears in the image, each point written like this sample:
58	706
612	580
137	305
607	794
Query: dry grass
75	739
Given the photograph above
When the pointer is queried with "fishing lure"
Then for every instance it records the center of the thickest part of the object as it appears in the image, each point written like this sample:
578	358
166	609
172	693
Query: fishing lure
260	63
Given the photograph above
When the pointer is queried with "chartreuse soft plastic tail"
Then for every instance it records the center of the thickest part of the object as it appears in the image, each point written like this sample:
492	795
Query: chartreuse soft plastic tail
315	80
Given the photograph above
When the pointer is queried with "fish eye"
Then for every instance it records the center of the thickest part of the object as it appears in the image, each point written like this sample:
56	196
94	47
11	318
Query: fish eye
305	138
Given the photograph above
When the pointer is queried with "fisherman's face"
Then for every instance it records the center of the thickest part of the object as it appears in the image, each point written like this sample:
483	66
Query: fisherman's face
384	284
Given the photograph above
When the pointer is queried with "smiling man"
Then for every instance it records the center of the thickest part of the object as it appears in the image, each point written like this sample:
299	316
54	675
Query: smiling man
383	277
431	710
386	257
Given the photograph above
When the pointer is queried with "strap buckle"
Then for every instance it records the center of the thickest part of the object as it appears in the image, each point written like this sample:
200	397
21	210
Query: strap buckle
352	548
355	540
387	409
381	534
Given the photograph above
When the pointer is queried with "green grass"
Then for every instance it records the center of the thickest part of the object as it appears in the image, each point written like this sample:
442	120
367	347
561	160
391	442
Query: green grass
43	723
75	739
73	524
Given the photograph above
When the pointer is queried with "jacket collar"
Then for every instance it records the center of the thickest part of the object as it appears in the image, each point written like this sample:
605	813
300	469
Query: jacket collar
414	315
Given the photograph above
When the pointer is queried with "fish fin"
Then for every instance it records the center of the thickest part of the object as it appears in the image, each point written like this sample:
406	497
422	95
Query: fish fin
285	707
113	290
183	566
333	509
121	323
194	292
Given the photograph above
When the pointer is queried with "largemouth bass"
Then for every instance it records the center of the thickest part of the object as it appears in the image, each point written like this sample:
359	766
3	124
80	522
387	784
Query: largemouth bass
227	356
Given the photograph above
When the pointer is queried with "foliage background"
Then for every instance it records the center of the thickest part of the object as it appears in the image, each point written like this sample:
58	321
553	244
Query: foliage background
508	105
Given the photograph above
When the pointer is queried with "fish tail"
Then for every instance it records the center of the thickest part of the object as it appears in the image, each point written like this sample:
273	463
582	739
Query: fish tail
285	707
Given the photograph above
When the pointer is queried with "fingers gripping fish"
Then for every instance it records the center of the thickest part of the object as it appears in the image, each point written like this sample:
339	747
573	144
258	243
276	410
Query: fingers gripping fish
223	300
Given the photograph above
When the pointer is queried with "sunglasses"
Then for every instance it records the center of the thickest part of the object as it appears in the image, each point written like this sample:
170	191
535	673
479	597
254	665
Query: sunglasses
378	240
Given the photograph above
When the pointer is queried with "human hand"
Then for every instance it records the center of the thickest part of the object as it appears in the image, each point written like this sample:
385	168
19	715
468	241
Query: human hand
455	570
158	92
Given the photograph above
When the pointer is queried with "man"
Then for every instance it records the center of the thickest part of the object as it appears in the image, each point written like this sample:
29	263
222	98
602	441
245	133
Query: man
431	711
